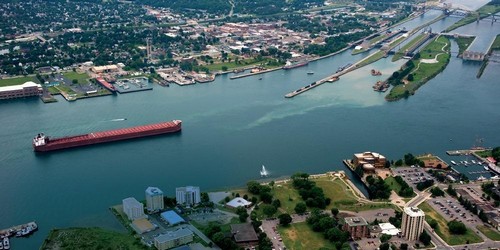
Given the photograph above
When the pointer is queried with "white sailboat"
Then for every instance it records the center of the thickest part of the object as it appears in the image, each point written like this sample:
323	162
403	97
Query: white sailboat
263	172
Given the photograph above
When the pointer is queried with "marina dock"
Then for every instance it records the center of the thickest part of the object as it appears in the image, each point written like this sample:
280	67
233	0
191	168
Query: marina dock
11	231
458	152
254	73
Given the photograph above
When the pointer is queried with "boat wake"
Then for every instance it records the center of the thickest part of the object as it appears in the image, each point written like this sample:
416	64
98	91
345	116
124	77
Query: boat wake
118	120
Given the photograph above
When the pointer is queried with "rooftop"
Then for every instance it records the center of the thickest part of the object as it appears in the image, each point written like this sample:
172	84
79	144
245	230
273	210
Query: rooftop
131	201
153	191
238	202
388	228
414	211
244	232
20	86
355	221
172	217
172	235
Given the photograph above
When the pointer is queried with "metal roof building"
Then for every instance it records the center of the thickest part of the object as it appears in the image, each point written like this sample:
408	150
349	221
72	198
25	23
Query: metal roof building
172	217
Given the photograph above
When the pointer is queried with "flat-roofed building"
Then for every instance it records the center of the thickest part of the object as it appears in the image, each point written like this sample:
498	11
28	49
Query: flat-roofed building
154	199
26	89
173	239
133	209
105	68
356	226
187	195
412	224
244	234
375	159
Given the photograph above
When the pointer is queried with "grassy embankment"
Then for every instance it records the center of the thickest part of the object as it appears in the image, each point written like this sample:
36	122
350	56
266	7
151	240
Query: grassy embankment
218	66
401	52
89	238
17	81
483	12
442	230
494	46
463	43
301	236
485	153
424	72
489	232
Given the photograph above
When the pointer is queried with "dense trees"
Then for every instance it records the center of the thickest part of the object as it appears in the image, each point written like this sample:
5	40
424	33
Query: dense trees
309	192
425	184
457	227
436	191
322	222
406	190
425	238
377	188
300	208
285	219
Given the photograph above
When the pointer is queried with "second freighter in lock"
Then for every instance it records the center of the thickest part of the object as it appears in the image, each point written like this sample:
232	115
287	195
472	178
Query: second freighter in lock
43	143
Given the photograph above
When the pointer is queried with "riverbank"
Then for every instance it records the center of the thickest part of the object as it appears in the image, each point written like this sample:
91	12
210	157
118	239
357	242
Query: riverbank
483	12
433	60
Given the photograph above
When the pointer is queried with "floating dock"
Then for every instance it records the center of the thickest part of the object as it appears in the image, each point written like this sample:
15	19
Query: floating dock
458	152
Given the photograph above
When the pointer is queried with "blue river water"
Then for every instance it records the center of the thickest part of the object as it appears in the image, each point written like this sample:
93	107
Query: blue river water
230	128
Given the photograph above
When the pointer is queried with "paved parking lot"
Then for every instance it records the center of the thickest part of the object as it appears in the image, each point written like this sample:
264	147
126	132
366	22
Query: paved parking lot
451	209
270	228
412	176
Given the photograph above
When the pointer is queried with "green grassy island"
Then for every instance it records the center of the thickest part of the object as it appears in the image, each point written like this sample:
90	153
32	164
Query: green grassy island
424	66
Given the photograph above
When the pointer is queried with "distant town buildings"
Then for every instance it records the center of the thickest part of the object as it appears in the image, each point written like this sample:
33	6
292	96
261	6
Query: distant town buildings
154	199
356	226
413	223
173	239
17	91
238	202
133	209
187	196
369	160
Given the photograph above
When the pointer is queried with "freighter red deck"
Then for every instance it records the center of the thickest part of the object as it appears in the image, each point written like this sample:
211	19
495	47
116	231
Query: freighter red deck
42	143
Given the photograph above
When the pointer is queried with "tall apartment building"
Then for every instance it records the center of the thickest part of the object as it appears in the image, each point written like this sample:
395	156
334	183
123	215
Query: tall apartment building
133	209
412	224
154	199
187	195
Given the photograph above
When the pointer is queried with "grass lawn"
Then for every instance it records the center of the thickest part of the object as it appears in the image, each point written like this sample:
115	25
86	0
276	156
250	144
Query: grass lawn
496	43
443	231
81	77
463	43
17	81
489	232
484	154
232	65
90	238
65	89
288	196
301	236
372	58
393	184
53	90
423	72
337	191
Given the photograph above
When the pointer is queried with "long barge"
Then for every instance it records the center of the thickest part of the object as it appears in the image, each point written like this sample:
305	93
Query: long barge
42	143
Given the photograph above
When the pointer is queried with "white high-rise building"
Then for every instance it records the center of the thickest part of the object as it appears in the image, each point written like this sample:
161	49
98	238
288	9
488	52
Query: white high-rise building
133	209
412	224
154	199
187	195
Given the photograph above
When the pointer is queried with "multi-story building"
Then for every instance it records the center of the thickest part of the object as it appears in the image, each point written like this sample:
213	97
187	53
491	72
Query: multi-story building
17	91
187	195
412	224
173	239
133	209
154	199
375	159
356	226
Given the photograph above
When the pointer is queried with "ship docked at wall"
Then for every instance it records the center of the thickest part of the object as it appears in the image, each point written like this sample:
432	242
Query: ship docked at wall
42	143
290	65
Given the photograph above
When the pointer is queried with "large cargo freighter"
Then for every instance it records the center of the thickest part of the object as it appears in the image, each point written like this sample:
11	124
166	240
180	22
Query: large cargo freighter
42	143
290	65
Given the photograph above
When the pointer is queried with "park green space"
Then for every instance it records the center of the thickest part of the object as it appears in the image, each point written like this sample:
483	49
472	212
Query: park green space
340	194
301	236
238	64
482	12
463	43
442	230
485	153
90	238
17	81
423	72
393	184
400	53
80	77
489	232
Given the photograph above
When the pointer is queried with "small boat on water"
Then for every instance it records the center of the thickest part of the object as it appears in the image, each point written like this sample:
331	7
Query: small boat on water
473	161
333	79
481	178
6	243
310	72
453	162
375	72
263	172
486	168
466	162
